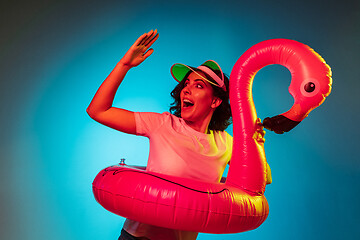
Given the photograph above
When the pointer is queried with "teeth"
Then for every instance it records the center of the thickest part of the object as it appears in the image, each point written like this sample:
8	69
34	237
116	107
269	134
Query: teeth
188	103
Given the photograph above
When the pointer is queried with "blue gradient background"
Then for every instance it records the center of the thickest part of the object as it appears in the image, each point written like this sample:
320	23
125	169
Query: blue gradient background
54	56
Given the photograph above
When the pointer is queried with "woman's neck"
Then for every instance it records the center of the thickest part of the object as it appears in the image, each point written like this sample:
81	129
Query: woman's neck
201	123
198	127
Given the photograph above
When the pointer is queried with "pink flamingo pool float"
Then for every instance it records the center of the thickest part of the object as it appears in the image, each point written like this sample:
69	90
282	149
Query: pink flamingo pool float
238	204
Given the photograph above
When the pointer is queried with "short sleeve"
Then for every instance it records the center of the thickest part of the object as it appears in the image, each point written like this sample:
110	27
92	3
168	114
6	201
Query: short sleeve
148	122
229	145
229	139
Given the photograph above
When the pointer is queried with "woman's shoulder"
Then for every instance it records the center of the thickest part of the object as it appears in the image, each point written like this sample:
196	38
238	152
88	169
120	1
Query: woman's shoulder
154	115
223	137
156	119
222	133
149	122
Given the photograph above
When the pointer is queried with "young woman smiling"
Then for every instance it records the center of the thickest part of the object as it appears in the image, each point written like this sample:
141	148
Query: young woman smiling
189	142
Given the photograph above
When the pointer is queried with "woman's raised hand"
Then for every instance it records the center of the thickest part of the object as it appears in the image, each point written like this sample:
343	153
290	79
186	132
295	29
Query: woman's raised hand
140	50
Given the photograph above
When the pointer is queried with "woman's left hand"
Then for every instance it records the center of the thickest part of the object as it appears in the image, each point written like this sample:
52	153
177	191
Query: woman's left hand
259	131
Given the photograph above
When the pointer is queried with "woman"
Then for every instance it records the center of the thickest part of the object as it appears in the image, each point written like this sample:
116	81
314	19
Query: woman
189	143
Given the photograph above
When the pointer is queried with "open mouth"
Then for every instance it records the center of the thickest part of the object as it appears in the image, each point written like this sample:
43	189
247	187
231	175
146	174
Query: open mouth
187	103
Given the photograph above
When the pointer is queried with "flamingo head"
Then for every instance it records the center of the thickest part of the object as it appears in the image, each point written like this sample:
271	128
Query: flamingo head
308	92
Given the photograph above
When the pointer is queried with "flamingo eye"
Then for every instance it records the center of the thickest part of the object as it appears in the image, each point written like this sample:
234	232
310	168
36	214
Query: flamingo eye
309	87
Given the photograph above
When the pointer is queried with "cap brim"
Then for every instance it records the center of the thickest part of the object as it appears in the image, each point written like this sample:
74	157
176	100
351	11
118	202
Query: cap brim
179	71
212	64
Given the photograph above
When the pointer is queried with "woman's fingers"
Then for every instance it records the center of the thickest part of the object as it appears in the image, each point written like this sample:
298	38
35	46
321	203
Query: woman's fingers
149	36
152	40
139	51
148	53
259	132
149	39
258	121
145	38
140	39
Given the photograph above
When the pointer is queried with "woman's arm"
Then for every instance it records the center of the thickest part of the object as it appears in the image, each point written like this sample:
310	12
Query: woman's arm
100	108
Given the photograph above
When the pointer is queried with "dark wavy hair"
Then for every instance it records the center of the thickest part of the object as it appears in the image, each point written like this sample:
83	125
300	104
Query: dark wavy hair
221	118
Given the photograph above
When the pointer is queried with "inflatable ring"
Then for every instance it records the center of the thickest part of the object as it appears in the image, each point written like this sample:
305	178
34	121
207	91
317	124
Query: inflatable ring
238	204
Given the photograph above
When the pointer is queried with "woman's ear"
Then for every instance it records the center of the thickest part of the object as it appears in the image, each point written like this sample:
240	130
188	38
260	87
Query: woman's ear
216	102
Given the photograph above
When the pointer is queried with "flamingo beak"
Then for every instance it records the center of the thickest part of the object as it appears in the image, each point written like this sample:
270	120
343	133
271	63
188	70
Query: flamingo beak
279	124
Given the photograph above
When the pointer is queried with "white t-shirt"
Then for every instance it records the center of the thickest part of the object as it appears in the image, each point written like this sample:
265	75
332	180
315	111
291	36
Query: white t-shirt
178	150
